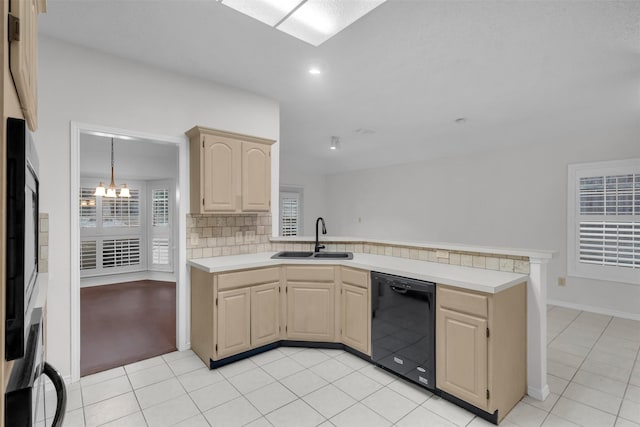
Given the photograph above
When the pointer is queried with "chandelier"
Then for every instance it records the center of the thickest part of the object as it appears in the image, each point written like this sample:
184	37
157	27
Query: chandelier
110	191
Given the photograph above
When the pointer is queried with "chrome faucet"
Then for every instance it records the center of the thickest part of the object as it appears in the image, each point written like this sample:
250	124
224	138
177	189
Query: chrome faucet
324	231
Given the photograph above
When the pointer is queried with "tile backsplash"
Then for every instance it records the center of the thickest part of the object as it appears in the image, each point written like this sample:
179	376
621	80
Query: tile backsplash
43	243
219	235
513	264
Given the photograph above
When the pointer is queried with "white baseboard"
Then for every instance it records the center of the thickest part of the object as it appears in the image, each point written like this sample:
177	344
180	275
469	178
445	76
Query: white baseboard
538	394
593	309
187	346
127	277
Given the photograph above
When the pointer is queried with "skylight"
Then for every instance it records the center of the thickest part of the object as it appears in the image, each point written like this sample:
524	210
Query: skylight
312	21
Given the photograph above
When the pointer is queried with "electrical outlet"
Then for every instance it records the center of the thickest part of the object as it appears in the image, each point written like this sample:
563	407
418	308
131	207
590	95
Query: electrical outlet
194	239
562	281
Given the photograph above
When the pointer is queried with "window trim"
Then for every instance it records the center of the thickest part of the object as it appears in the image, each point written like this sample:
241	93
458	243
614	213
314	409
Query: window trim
593	271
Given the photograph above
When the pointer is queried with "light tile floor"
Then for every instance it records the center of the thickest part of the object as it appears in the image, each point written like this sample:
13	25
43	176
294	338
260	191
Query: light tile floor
594	377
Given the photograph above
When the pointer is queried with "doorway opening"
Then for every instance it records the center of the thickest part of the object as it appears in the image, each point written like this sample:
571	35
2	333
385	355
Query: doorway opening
128	252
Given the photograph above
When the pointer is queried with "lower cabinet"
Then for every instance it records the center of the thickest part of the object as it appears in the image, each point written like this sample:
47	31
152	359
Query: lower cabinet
310	303
234	322
234	312
265	314
481	347
355	306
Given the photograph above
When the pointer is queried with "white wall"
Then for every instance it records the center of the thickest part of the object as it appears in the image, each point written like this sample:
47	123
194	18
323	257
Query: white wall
134	159
76	84
314	197
511	198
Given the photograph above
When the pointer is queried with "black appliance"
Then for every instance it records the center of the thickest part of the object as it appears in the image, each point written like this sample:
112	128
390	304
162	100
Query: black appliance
25	393
22	236
403	327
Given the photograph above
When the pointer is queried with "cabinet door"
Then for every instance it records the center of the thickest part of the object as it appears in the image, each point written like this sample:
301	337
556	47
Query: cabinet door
221	164
355	317
265	314
310	311
23	58
234	322
461	356
256	177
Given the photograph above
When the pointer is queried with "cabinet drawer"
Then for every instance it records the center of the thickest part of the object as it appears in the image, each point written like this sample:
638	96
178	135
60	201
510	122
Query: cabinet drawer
462	301
355	277
309	273
248	277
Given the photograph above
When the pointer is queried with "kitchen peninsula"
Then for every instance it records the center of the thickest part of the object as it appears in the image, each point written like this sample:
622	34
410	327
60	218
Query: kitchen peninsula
269	289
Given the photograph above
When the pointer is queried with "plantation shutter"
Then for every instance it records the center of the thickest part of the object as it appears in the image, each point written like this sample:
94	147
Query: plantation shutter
161	229
289	214
112	231
88	213
120	253
609	220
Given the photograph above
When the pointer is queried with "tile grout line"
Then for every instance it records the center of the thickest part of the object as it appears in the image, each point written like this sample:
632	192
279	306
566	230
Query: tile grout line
635	363
577	370
189	395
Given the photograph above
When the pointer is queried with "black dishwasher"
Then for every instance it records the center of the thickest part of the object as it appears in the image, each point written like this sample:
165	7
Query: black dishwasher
403	326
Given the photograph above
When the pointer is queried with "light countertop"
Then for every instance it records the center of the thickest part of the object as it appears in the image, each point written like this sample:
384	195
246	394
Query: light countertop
477	279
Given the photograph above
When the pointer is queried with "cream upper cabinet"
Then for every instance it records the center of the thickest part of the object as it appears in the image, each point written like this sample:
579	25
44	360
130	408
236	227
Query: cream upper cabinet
355	309
229	172
23	37
481	346
256	177
221	159
234	322
310	303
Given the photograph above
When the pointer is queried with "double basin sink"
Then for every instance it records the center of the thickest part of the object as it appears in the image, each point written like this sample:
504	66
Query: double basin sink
312	255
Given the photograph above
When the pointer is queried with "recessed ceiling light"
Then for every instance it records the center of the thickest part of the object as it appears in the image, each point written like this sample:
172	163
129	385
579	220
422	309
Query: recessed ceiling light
460	120
335	143
315	71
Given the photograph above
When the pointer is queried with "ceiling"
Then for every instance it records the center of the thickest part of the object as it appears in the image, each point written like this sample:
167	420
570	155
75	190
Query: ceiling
393	83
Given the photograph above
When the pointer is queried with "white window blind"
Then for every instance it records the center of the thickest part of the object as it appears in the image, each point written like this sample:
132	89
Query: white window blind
120	252
612	240
161	232
121	212
88	255
112	231
88	215
160	251
160	207
290	213
289	217
604	228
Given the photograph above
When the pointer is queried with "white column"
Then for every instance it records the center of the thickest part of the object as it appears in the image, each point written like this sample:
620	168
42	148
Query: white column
537	329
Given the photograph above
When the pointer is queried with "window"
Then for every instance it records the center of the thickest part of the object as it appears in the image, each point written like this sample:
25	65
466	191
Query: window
124	212
161	233
604	221
290	211
160	207
111	231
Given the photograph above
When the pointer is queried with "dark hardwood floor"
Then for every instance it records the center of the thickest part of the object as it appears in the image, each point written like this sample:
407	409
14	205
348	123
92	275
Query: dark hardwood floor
125	323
